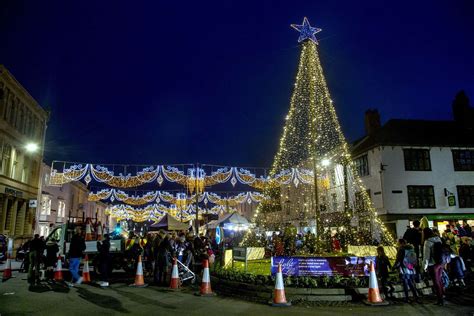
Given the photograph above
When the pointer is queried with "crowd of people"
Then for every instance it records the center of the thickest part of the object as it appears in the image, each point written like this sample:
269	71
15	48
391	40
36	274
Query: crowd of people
424	253
159	249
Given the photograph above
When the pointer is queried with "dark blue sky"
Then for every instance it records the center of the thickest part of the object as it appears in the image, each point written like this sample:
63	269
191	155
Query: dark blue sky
187	81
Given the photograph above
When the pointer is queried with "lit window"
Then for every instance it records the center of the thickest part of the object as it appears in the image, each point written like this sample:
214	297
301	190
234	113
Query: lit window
46	206
61	209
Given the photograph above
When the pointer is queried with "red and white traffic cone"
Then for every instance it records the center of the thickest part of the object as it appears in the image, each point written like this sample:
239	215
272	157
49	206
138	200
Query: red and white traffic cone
205	289
58	271
86	276
139	281
279	297
175	283
374	298
7	273
88	230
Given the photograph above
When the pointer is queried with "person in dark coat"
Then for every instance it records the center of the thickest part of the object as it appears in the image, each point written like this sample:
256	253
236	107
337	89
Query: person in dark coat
103	247
36	247
76	251
413	237
383	266
162	252
52	249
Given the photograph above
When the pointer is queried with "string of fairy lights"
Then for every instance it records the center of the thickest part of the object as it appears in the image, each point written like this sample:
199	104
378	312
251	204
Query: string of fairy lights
155	212
312	136
180	197
191	178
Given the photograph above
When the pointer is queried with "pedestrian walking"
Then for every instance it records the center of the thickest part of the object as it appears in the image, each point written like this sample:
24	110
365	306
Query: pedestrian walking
413	237
163	252
36	247
76	251
52	249
103	247
383	266
406	264
433	262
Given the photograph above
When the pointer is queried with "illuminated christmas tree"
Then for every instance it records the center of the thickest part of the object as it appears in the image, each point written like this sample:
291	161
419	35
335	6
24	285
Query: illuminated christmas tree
312	139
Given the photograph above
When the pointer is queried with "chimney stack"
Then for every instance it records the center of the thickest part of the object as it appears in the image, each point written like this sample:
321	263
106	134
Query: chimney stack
372	121
463	113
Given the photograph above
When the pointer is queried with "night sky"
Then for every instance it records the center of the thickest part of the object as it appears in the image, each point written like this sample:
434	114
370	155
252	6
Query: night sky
210	81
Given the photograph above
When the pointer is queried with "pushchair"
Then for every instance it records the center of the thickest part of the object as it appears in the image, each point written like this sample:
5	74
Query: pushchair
184	271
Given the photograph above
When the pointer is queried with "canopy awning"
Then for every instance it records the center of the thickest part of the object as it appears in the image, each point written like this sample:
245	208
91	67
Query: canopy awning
233	219
441	217
168	222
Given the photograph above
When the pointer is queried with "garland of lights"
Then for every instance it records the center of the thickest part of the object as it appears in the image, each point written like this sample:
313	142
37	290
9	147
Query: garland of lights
180	200
155	212
195	177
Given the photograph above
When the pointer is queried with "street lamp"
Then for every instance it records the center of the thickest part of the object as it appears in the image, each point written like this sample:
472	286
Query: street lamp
31	147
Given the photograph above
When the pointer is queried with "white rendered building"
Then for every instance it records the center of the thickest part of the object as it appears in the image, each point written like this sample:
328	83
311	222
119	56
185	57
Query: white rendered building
416	168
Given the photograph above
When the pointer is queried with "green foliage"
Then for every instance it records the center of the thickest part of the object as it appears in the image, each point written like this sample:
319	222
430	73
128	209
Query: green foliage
324	281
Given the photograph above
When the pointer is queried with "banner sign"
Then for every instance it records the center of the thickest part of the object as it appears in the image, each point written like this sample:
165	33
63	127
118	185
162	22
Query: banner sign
318	266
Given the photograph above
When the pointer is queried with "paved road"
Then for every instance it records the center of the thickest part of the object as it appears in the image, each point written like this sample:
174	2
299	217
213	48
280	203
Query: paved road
17	299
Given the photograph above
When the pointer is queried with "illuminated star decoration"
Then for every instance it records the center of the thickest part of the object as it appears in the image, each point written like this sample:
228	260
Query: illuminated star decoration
306	31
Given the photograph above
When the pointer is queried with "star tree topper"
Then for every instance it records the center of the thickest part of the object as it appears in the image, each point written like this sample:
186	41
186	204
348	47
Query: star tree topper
306	31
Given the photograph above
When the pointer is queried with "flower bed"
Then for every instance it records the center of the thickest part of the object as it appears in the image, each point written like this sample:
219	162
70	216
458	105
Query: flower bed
260	288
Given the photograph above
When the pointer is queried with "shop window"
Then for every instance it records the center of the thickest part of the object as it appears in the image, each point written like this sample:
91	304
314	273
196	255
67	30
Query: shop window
421	196
466	196
463	160
417	159
362	166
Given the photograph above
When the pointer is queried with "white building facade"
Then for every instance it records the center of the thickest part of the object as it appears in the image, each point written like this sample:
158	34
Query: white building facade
415	168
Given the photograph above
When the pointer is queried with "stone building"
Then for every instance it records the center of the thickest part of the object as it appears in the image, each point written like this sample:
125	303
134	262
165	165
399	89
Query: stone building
68	202
22	132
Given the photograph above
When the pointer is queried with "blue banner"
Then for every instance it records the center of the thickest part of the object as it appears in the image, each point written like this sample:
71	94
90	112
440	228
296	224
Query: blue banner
318	266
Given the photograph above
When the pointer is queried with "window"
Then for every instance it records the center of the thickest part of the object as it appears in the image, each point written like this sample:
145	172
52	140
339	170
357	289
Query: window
13	175
61	209
44	229
46	206
360	204
463	160
7	150
421	196
362	166
466	196
56	234
417	159
24	171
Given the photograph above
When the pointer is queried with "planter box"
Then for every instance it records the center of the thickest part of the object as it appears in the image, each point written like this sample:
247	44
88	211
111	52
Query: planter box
260	293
